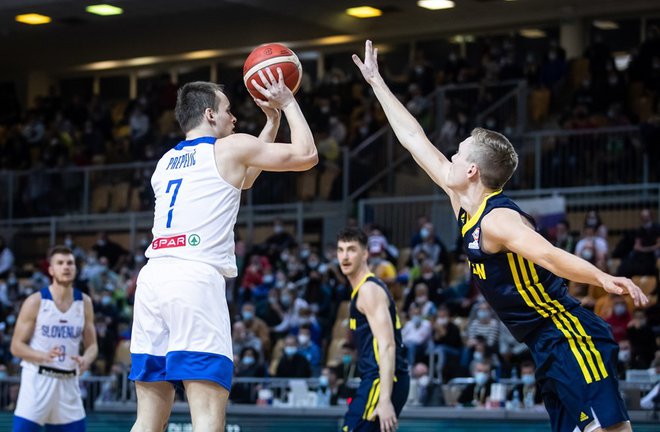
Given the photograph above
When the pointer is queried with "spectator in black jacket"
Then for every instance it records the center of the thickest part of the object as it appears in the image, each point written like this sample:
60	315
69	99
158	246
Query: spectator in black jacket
528	392
293	364
477	393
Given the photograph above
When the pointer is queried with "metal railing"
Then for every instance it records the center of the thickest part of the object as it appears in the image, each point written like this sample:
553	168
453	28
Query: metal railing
618	205
377	160
564	158
117	393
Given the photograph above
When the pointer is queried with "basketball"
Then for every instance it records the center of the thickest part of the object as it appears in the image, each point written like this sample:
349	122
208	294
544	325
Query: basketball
272	56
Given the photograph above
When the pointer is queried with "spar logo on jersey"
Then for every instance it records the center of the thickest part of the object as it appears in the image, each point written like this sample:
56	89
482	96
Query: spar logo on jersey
194	240
169	242
475	236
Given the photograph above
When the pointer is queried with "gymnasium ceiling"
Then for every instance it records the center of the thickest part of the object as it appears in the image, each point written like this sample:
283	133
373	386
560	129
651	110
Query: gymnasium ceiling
169	27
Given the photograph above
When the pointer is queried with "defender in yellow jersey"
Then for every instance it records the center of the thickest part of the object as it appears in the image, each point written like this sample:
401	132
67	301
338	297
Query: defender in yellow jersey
520	273
376	330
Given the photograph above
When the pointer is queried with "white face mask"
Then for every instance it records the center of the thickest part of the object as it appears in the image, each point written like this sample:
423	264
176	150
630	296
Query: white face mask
480	378
303	339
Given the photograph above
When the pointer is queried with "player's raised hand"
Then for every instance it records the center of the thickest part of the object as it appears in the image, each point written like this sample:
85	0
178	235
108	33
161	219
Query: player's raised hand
622	286
273	115
369	67
386	416
278	94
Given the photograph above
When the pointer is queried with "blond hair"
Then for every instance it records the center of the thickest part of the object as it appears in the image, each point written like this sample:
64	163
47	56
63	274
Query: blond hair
494	155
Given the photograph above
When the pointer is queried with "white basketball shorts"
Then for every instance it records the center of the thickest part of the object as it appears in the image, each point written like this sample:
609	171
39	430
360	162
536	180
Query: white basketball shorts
181	327
46	400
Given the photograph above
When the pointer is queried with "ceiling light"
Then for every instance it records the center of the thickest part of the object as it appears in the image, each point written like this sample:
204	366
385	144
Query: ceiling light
532	33
606	25
33	18
364	12
104	9
435	4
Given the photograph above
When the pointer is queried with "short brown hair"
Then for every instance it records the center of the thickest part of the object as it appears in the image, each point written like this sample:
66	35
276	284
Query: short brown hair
192	100
59	249
495	157
350	234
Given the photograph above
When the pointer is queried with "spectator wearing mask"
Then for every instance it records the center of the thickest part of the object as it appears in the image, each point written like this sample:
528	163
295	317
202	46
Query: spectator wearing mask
592	248
290	306
426	392
380	266
293	364
592	220
332	390
625	357
347	370
447	342
249	366
105	278
377	240
417	236
477	393
528	391
257	327
426	306
242	338
619	319
485	326
642	340
309	349
433	247
431	279
604	306
416	333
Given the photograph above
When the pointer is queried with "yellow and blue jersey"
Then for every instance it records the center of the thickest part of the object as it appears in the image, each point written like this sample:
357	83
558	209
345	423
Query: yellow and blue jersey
573	349
363	337
523	294
367	395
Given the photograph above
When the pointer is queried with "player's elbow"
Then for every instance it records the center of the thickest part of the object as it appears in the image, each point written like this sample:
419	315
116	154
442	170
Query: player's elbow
14	349
308	160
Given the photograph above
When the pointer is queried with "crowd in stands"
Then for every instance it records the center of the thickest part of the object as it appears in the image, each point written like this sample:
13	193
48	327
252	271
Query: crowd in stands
289	309
63	133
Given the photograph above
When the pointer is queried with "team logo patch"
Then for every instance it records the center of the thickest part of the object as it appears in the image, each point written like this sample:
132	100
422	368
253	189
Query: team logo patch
194	240
475	236
169	242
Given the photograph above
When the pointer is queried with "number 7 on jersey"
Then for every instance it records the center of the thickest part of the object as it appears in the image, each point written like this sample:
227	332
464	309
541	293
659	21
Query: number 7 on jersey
177	184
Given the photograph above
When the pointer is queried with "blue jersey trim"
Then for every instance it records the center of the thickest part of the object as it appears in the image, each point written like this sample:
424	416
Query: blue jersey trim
45	294
178	366
200	140
146	367
193	365
24	425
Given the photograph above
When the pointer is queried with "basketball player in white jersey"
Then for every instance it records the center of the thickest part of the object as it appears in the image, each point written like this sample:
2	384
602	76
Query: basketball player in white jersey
49	329
181	326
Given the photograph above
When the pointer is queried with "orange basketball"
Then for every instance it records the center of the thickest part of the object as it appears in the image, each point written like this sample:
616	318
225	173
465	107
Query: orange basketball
272	56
